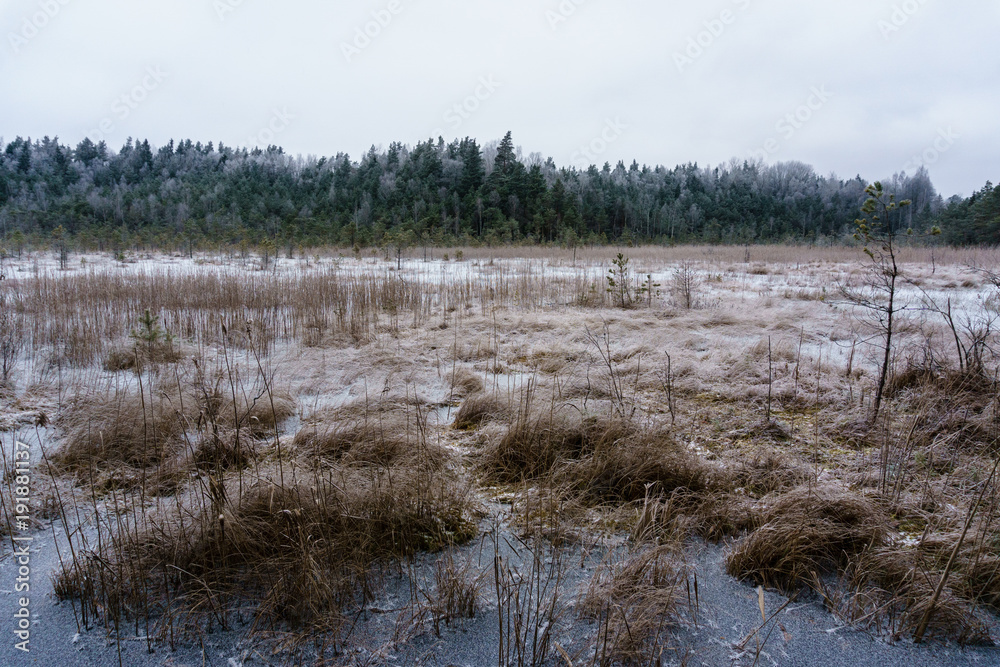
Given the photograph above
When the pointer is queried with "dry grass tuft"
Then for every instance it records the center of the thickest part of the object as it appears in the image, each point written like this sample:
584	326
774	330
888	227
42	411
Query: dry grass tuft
122	428
225	449
975	575
165	479
299	552
958	408
456	592
805	532
260	414
465	382
716	515
121	359
134	357
589	461
382	434
908	378
636	604
924	379
892	589
625	464
479	408
535	444
765	430
767	470
711	513
979	580
364	441
140	430
122	439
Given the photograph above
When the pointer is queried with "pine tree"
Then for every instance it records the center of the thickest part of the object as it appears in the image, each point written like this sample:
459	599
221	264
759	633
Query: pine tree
473	171
506	156
24	157
86	151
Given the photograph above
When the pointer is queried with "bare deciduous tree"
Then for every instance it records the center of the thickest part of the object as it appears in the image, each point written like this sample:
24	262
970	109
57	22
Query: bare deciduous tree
974	333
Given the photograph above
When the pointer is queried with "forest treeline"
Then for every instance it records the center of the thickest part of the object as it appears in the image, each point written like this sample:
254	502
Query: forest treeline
188	195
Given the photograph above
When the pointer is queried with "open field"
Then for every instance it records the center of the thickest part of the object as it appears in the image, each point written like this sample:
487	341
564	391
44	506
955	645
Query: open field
500	456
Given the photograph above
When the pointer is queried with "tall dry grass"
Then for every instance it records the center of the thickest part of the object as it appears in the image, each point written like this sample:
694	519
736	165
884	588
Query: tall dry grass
807	532
299	534
79	315
637	603
206	508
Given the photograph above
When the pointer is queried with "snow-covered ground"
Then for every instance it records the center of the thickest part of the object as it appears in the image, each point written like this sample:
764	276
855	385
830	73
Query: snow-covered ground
719	349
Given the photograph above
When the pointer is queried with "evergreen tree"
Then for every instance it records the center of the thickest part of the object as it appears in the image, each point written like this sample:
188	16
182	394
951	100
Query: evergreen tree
142	195
506	157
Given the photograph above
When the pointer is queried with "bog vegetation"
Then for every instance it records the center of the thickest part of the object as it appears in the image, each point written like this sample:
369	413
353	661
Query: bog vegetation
232	447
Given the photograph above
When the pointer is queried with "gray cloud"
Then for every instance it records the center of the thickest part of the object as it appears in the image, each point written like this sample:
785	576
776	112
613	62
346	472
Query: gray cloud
345	76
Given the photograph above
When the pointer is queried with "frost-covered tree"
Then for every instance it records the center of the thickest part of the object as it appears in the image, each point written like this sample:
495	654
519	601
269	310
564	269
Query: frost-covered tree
469	191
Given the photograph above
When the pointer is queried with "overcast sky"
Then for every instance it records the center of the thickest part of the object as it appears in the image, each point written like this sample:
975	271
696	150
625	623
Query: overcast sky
868	87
